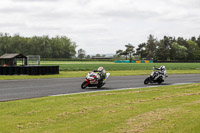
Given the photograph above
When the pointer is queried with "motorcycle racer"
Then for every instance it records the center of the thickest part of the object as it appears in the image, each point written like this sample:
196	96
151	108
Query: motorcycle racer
102	73
162	70
94	79
157	76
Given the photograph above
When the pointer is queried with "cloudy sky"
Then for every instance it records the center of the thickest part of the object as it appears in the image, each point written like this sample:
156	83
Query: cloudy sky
101	26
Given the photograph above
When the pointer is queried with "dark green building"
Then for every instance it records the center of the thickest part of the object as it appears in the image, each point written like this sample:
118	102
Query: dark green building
11	59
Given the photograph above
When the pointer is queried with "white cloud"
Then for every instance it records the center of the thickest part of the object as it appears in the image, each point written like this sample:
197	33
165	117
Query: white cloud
101	25
35	0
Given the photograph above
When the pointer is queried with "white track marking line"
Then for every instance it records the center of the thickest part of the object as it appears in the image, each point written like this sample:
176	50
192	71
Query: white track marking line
182	83
102	91
118	89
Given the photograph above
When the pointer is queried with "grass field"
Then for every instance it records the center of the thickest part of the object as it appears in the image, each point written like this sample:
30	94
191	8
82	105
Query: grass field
67	74
81	68
110	66
161	109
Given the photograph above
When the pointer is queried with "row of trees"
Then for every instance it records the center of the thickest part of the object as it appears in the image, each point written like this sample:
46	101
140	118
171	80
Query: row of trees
46	47
168	48
82	55
129	51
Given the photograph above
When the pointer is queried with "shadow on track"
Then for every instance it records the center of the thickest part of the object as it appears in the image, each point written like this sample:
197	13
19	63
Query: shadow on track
153	84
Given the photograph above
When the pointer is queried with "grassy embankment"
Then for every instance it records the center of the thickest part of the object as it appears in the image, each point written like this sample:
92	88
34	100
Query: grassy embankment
80	69
161	109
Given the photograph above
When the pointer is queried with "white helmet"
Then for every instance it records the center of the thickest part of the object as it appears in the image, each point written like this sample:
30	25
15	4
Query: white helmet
162	68
100	69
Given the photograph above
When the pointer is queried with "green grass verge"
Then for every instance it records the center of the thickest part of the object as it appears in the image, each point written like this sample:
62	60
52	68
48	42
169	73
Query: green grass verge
161	109
67	74
81	68
110	66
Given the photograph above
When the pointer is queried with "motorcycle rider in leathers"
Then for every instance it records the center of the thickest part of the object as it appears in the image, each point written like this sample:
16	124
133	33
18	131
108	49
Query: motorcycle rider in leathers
162	71
102	73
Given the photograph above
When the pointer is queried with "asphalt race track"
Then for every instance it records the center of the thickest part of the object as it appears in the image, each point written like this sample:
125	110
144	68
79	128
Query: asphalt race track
33	88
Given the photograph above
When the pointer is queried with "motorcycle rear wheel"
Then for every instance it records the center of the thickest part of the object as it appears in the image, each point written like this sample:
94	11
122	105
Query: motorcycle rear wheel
100	85
160	82
84	85
147	80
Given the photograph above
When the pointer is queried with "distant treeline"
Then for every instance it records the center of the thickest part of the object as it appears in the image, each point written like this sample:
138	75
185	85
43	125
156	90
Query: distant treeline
170	48
75	59
46	47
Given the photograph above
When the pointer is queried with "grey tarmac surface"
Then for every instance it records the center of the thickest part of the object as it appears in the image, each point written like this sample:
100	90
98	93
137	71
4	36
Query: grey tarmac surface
34	88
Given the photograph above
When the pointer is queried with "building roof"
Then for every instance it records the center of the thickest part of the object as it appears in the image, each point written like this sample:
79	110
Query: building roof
11	56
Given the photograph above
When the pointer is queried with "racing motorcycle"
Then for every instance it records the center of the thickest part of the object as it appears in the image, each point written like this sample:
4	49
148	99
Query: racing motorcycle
156	76
92	80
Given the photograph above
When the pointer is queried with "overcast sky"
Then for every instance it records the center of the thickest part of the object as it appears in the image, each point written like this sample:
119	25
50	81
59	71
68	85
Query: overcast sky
101	26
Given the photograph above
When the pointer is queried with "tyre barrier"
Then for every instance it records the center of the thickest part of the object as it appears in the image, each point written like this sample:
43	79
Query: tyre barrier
29	70
134	61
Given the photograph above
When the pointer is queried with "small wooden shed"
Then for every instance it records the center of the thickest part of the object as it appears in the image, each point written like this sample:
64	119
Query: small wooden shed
11	59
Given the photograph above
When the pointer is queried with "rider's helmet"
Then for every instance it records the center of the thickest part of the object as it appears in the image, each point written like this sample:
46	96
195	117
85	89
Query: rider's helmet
101	70
162	68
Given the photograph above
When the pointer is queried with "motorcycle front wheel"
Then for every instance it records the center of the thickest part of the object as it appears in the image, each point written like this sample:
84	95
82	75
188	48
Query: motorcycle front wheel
84	85
147	80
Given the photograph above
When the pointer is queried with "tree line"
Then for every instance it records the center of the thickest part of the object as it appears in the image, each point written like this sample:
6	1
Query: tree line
168	48
82	55
46	47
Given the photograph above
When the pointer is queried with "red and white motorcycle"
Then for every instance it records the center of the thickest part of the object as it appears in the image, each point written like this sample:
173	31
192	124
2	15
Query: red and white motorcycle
92	80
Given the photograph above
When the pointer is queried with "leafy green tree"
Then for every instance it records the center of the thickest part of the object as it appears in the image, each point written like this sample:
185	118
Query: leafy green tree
198	41
141	50
88	57
122	53
125	53
130	51
178	52
193	39
170	48
5	43
163	49
119	52
57	47
81	53
193	50
151	47
182	41
98	55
